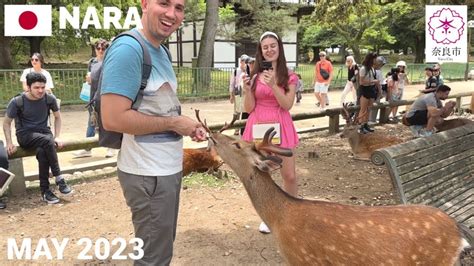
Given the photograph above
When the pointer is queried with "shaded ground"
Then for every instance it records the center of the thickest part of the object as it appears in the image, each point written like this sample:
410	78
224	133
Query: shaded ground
217	225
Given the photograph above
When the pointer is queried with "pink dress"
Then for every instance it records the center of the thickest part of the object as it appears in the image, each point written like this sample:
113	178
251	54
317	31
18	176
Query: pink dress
267	110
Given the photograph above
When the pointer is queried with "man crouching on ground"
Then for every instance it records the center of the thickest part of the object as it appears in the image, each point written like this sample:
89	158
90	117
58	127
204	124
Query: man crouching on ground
427	111
31	113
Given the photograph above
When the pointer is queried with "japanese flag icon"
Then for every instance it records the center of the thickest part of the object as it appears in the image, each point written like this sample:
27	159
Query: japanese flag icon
27	20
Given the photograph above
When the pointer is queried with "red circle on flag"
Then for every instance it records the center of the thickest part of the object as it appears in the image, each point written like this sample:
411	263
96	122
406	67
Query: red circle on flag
28	20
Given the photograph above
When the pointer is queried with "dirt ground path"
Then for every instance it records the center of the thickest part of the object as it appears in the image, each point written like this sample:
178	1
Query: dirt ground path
217	225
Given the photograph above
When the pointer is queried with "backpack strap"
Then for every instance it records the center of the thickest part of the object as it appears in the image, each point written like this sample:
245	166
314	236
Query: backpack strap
49	102
167	52
20	105
146	66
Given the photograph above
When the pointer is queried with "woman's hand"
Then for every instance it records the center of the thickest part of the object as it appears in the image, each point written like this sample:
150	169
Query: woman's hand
248	82
268	77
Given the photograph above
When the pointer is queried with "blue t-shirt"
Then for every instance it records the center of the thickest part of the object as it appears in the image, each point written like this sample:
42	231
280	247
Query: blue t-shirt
35	113
153	154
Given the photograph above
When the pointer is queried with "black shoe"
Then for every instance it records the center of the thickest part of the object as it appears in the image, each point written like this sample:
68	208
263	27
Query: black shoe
50	198
3	205
63	187
366	127
362	130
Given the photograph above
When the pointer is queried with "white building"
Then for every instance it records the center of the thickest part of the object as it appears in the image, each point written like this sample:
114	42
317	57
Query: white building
184	44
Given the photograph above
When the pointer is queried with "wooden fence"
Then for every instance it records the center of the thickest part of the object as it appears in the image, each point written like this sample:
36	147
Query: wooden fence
18	185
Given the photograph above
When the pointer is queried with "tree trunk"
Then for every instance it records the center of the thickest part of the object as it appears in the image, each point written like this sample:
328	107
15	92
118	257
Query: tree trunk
315	55
206	47
419	49
35	44
6	61
342	53
356	51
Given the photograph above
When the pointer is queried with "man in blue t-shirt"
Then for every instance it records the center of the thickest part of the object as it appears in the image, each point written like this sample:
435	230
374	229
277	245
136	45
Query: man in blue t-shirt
30	111
151	156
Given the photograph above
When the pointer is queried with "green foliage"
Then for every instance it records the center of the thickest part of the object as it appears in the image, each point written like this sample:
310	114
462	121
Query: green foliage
315	35
65	42
258	16
197	180
195	10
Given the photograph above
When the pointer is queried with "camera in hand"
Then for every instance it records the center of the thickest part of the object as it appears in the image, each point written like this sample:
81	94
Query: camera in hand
266	65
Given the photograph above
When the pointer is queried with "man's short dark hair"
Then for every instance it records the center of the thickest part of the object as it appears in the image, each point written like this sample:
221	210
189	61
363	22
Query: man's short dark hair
33	77
443	88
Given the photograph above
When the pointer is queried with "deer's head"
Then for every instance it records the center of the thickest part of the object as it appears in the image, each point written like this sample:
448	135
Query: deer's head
242	156
351	127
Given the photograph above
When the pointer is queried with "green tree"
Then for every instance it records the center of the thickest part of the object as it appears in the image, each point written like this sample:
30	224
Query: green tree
357	22
62	42
314	37
258	16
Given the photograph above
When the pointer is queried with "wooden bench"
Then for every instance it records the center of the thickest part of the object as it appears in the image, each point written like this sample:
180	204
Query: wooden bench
436	171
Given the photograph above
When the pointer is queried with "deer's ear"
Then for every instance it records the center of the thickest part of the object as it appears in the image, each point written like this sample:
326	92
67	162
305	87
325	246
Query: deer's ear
269	164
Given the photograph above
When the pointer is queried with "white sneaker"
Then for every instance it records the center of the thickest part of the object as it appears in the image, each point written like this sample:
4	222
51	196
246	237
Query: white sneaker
415	130
110	153
82	154
426	133
263	228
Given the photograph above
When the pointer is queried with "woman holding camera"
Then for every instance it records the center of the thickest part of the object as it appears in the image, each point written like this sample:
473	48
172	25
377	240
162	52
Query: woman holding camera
352	72
269	95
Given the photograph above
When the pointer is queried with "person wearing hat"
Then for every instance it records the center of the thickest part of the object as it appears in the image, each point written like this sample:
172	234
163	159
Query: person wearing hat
403	75
322	79
235	87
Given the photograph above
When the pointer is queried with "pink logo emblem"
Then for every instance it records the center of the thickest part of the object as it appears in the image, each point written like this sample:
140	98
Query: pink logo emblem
446	26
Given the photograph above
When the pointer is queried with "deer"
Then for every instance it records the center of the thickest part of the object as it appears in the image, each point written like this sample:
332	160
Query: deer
200	160
363	145
312	232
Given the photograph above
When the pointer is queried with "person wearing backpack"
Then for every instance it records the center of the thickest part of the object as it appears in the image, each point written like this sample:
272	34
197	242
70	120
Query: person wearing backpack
94	68
323	74
30	110
150	159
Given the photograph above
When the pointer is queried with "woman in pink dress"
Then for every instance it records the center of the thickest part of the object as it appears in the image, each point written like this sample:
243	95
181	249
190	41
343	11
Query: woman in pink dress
269	96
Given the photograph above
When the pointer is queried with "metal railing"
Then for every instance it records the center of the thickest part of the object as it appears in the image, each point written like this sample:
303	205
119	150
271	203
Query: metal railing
198	82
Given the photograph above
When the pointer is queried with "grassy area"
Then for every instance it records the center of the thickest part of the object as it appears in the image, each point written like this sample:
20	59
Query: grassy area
197	180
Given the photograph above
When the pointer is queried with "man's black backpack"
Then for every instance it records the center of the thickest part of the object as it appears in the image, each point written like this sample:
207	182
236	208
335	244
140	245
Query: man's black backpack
112	139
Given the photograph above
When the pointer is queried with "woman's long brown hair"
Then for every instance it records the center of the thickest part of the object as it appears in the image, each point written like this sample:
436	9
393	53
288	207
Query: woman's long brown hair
281	74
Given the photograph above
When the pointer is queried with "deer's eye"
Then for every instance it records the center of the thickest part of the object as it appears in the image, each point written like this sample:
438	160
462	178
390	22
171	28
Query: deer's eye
237	145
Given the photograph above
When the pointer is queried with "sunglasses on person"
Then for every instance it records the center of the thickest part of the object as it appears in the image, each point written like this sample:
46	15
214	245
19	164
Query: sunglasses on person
34	59
100	48
321	55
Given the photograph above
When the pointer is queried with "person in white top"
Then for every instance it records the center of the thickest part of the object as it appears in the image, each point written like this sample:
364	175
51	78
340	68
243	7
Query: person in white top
37	61
352	72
